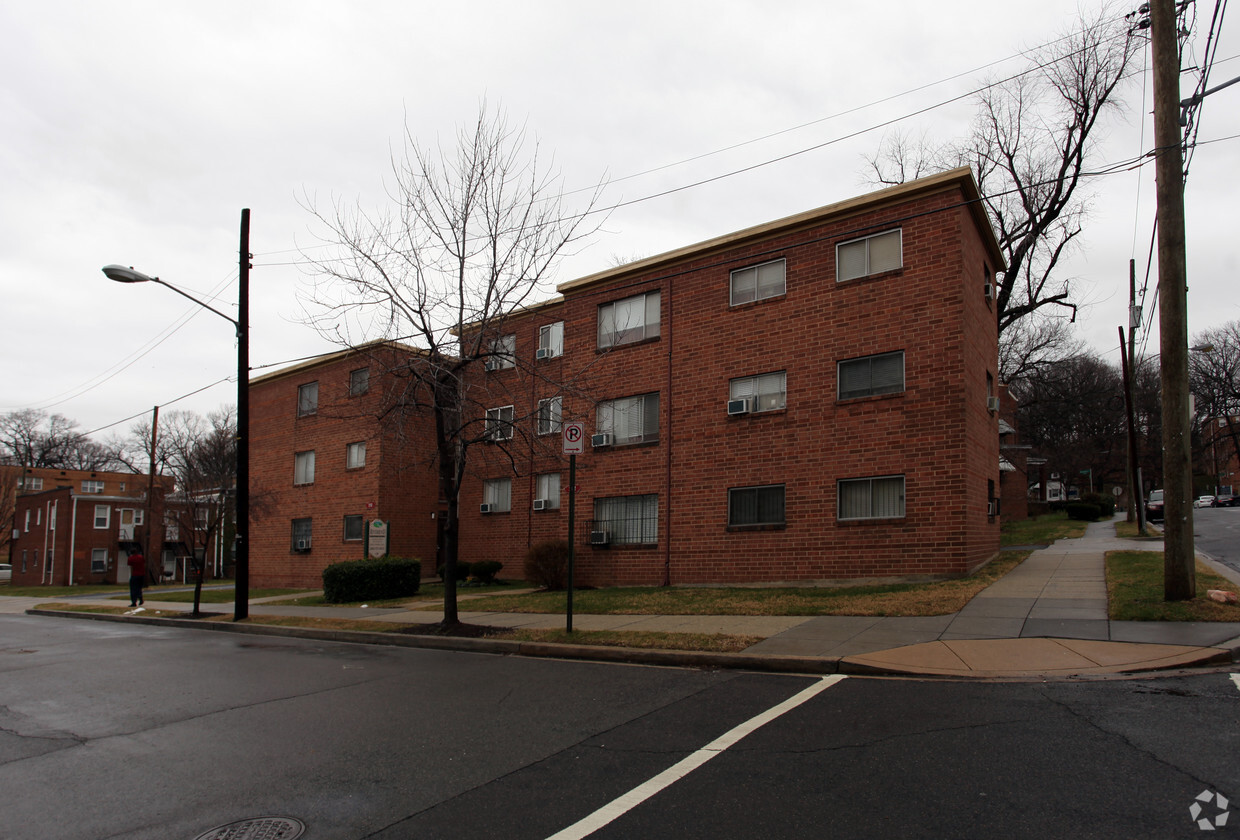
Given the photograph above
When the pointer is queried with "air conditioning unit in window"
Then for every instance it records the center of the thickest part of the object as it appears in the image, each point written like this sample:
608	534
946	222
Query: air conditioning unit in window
491	364
740	406
989	291
600	537
992	507
540	504
485	508
543	353
992	403
598	441
303	545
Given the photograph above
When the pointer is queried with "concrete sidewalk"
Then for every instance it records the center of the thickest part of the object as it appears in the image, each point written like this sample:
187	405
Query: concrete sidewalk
1047	617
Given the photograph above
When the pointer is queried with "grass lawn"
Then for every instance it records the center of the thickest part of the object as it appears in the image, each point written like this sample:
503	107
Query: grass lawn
62	591
1128	531
209	596
1135	591
428	591
1042	530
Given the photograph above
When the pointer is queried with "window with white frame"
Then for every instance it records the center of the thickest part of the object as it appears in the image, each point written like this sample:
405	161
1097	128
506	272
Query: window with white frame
625	321
302	534
359	382
497	493
630	420
172	528
92	486
499	423
551	340
30	484
871	375
354	528
628	519
765	392
756	506
38	516
868	255
547	488
307	399
98	561
355	455
871	498
303	467
758	282
202	517
503	353
550	415
103	516
27	526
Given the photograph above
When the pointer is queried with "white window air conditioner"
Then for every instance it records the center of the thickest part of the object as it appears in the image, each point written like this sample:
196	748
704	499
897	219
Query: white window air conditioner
303	545
540	504
992	403
543	353
485	508
740	406
992	507
600	440
600	537
989	291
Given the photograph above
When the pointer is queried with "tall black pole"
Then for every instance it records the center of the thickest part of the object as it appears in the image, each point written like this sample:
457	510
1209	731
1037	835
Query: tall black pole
241	609
572	523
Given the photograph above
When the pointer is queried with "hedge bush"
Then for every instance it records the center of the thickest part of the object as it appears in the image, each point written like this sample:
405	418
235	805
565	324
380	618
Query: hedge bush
1104	501
546	564
372	579
461	569
484	571
1084	511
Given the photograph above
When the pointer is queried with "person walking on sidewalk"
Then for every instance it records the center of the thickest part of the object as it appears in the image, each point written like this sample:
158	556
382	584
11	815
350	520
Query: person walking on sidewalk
137	576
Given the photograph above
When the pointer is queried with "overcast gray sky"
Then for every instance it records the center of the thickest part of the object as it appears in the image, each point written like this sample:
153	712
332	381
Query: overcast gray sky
134	132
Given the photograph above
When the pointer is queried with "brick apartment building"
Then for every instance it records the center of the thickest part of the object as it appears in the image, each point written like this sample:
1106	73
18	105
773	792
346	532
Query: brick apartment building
809	399
76	526
331	452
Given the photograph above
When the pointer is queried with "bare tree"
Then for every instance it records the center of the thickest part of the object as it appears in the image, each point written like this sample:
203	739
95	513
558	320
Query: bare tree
1029	148
30	438
1214	379
471	235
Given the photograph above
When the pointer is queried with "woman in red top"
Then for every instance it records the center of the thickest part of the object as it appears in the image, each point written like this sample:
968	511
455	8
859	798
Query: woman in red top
137	576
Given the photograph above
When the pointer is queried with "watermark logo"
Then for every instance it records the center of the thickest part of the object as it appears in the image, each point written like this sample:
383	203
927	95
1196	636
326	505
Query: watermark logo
1204	800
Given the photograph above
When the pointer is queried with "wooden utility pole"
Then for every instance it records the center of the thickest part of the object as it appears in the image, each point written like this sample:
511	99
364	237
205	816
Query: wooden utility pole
1179	572
150	497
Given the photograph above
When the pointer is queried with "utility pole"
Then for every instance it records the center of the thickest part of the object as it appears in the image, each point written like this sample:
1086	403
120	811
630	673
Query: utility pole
150	495
1179	572
241	601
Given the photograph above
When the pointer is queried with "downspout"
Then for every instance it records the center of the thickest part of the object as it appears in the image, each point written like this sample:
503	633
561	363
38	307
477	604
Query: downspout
72	533
47	561
667	560
49	510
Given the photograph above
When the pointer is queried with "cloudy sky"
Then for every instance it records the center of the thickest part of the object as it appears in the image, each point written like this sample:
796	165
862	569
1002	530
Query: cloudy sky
134	132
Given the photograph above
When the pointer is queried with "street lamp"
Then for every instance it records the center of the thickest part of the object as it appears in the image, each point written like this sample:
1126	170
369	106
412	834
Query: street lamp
127	274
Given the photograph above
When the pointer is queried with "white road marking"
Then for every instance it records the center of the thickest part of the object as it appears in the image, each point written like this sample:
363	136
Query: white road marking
1236	679
622	805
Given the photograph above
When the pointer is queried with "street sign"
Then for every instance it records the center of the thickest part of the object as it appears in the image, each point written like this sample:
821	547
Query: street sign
574	437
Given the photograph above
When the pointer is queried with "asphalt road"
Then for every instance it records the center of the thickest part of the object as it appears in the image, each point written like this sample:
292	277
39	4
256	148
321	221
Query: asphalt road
113	731
1216	531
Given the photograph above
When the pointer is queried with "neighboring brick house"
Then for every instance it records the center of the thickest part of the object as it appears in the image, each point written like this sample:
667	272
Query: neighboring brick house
1014	462
331	453
77	526
809	399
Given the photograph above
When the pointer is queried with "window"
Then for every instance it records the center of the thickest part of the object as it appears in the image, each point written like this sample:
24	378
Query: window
551	340
355	455
301	534
499	423
138	516
756	505
497	492
628	519
98	561
353	528
503	353
27	528
548	489
765	392
103	516
303	467
30	484
550	414
870	375
630	420
871	255
872	498
172	528
308	399
92	486
202	517
758	282
628	320
359	382
38	516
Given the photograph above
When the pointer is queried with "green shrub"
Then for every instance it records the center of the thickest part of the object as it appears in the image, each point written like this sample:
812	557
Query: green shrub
484	571
1084	511
372	579
461	569
1104	501
546	564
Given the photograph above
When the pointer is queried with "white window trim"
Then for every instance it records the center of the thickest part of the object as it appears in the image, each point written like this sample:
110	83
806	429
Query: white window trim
107	517
503	352
868	269
303	468
839	495
753	394
649	329
500	501
553	424
497	427
732	301
604	421
551	337
542	489
351	463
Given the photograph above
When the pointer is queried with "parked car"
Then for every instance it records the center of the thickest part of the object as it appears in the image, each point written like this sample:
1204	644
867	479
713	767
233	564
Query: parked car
1154	507
1224	500
6	573
1204	501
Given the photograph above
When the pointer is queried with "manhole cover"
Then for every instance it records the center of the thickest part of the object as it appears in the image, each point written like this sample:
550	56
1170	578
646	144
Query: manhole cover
258	828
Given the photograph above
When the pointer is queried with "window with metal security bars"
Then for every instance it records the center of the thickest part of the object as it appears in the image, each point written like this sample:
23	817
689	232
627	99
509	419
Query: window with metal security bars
307	399
756	505
547	488
499	423
355	456
871	498
871	375
353	528
758	282
630	420
550	415
303	467
625	321
302	532
869	255
765	392
551	340
627	520
497	492
359	382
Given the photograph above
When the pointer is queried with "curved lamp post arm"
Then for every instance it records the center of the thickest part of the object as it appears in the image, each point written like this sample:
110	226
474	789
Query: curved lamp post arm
127	274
